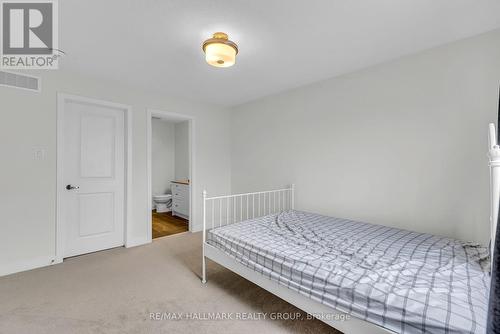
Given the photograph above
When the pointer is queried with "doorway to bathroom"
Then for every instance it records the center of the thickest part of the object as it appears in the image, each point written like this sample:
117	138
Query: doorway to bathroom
170	173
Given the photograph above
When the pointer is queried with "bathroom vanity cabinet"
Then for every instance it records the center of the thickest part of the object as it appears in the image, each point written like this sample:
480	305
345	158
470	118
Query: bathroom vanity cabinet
180	199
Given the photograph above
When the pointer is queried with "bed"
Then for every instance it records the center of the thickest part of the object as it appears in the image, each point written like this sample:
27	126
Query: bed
382	279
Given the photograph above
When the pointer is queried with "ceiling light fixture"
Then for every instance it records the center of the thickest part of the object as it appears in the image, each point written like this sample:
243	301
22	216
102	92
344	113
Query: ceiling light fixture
220	51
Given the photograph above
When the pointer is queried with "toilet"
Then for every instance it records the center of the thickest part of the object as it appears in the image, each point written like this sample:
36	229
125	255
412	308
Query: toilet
163	203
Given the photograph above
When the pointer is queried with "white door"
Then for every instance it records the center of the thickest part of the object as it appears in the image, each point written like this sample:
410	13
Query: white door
93	170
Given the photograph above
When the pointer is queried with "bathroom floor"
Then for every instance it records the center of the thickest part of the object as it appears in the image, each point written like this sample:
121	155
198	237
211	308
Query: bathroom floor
165	224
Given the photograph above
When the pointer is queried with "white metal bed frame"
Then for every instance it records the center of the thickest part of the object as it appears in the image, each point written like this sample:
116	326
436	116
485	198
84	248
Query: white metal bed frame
494	163
225	210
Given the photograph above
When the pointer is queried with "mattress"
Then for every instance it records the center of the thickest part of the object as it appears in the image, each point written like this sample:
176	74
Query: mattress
405	281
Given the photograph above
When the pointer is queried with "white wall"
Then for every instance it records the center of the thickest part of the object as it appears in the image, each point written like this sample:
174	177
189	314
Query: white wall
28	120
182	151
402	144
163	152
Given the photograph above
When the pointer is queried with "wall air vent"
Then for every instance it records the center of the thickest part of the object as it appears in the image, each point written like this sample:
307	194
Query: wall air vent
20	81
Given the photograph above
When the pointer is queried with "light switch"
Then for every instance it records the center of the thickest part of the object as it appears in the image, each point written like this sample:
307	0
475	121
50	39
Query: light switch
39	153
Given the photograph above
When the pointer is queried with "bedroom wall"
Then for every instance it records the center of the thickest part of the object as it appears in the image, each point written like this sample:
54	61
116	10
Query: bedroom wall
162	156
401	144
28	186
182	151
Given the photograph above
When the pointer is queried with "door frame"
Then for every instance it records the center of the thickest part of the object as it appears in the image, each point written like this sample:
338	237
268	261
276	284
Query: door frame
60	223
192	148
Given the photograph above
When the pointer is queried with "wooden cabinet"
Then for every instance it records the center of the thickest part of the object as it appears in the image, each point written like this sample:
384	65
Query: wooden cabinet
180	200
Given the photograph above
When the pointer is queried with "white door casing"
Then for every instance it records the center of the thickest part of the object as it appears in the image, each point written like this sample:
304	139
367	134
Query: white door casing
93	158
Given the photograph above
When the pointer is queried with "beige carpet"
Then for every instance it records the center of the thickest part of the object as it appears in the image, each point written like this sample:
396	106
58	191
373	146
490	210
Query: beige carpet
114	292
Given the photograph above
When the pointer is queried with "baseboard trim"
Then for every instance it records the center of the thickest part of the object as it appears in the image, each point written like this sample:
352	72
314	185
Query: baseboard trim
137	242
25	265
44	261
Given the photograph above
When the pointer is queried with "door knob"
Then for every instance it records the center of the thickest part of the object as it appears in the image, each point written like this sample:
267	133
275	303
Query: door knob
70	187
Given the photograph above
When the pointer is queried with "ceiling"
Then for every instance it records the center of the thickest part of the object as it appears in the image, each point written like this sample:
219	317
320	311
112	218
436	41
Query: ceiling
155	45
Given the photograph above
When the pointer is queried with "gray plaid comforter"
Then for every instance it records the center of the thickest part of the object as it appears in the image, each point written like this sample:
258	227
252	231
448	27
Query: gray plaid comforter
405	281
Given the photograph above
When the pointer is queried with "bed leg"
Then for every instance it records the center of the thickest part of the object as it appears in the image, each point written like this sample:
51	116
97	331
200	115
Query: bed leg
203	260
203	271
